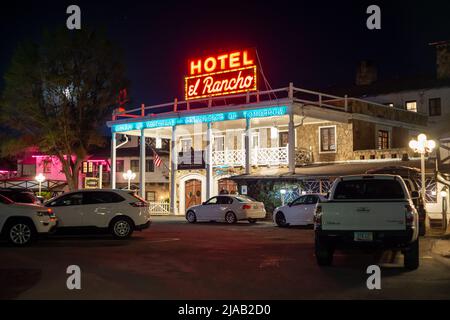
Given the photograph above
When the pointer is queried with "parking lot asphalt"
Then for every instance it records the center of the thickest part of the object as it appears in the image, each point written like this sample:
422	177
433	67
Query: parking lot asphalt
176	260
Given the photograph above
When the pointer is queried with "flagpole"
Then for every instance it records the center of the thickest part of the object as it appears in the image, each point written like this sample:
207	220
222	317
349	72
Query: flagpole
154	152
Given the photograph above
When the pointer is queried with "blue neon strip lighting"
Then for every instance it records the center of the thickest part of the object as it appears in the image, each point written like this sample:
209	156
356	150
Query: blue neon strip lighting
202	118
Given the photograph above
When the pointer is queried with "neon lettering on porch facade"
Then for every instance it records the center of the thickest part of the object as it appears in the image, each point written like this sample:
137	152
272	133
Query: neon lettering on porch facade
220	75
202	118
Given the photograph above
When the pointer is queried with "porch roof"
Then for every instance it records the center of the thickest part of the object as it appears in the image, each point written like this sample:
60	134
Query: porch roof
327	170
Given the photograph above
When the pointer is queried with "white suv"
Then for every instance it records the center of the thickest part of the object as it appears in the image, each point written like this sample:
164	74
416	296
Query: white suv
119	212
21	223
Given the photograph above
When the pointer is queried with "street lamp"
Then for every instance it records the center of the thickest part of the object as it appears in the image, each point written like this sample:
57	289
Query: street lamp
40	178
422	146
129	175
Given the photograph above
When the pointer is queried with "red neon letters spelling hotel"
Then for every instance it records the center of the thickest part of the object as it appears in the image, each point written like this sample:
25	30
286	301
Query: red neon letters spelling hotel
224	74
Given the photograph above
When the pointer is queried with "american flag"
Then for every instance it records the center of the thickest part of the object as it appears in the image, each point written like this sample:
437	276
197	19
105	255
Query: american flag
156	159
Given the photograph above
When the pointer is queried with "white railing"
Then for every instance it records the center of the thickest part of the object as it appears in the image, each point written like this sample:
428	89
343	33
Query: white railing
259	156
159	208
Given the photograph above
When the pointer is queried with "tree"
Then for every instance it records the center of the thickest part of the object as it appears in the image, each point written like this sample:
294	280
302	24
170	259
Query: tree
58	95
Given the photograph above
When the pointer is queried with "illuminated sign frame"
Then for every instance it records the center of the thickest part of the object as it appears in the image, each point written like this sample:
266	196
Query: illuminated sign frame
202	118
221	75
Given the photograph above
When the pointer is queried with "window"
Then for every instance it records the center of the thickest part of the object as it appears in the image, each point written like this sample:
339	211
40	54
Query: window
284	139
383	139
47	166
186	145
299	201
120	165
151	196
327	139
434	107
94	197
212	201
369	189
5	200
72	199
224	200
243	198
149	165
134	165
311	199
254	143
219	143
411	106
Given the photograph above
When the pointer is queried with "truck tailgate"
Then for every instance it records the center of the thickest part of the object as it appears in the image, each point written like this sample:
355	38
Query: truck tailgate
352	215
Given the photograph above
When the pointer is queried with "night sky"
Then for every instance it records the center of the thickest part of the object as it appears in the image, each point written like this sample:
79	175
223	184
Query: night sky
314	44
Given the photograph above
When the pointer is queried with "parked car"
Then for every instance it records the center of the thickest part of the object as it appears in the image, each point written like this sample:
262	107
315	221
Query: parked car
20	195
411	177
21	223
299	212
119	212
228	208
370	211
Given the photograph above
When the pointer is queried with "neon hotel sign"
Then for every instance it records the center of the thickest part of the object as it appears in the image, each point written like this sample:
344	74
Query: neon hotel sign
228	73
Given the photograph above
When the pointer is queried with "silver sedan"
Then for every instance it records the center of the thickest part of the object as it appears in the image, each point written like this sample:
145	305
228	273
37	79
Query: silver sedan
228	208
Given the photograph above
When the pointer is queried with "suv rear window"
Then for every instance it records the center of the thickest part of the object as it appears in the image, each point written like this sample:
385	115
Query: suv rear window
369	189
19	196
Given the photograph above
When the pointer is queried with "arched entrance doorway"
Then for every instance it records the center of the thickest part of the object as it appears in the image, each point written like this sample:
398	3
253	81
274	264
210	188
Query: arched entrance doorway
227	186
193	192
188	189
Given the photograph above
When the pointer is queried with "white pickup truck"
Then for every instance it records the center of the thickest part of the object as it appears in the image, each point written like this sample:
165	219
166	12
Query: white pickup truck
369	211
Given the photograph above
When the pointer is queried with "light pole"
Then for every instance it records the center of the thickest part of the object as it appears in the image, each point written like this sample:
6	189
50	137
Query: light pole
422	146
40	178
444	207
129	175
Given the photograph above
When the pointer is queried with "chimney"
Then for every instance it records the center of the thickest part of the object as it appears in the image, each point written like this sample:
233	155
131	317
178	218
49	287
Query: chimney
442	59
366	73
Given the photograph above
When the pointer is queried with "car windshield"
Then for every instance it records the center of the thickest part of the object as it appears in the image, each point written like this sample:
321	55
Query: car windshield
369	189
242	198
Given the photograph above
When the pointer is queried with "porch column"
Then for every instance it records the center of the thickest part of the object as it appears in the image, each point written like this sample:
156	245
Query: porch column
209	164
247	146
113	160
173	168
291	141
142	146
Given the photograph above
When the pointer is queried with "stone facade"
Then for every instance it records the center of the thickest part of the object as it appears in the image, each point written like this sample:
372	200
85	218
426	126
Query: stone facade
308	138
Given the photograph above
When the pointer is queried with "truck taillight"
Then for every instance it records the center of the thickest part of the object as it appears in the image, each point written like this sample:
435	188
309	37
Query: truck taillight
139	204
409	215
246	207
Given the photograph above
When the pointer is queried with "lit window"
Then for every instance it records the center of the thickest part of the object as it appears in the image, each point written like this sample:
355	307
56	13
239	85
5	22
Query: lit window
327	139
383	139
390	104
134	165
411	106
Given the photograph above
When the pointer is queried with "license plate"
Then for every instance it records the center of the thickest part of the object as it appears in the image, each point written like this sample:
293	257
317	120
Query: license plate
363	236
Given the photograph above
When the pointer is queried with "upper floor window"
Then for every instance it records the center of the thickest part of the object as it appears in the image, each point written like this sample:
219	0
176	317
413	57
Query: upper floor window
383	139
120	165
219	143
47	166
134	165
434	107
149	165
284	138
411	106
327	140
186	145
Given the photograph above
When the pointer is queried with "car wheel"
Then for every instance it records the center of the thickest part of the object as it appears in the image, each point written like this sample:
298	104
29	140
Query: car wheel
121	228
252	221
20	233
191	217
230	217
324	253
280	220
411	254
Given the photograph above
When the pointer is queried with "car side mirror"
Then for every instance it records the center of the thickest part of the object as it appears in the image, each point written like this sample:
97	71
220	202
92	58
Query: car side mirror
415	194
204	203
